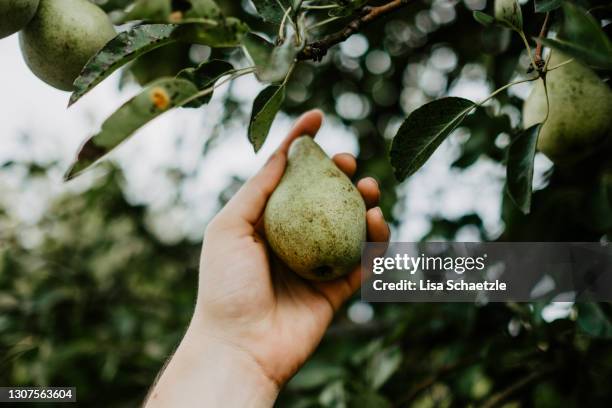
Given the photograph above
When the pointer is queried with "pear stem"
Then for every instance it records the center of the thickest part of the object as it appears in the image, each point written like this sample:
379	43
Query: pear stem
528	48
503	88
560	65
543	31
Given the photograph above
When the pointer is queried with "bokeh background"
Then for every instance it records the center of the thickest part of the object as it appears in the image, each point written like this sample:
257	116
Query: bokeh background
98	275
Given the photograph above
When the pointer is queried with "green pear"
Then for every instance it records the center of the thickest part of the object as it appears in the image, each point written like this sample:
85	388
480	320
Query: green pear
15	14
62	37
580	114
315	219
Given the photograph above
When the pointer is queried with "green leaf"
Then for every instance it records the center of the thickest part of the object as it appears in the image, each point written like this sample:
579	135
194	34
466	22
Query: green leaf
272	11
135	42
272	63
587	54
265	107
519	171
583	38
155	99
205	76
544	6
593	321
483	18
119	51
423	131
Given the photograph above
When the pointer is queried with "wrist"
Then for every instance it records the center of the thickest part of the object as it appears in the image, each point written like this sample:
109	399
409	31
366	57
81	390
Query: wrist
207	371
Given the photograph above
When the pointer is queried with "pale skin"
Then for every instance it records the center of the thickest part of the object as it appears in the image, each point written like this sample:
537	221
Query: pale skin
255	322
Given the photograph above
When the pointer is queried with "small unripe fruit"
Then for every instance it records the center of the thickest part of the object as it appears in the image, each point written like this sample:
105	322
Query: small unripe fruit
580	113
15	14
62	37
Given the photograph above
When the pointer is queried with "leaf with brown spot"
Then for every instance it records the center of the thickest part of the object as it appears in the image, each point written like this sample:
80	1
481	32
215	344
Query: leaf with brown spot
159	97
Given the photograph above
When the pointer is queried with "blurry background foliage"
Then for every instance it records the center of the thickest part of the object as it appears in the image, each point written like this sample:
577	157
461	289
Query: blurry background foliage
91	296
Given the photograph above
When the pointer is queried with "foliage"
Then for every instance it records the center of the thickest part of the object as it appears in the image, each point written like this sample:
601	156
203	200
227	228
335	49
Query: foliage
100	302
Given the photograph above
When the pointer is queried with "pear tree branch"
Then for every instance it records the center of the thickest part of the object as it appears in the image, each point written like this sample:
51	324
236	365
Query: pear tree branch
316	50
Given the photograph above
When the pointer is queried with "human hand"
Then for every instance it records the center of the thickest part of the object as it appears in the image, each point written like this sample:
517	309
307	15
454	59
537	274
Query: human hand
254	317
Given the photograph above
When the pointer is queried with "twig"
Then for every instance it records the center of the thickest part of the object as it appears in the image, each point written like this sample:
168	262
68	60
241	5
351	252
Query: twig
538	51
528	48
560	65
498	398
317	50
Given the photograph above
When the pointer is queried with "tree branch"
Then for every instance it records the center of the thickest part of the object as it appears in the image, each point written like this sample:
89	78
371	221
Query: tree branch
538	52
316	50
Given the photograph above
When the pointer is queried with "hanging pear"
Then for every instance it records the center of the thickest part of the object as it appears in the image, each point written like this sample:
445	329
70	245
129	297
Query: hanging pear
315	219
62	37
15	14
580	115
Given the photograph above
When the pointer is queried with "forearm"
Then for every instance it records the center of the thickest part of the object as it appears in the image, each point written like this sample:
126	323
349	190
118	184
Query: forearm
206	372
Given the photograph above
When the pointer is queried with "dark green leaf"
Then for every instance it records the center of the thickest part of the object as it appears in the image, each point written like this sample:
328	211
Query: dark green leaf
586	54
543	6
583	38
119	51
519	176
483	18
423	131
204	76
593	321
157	98
272	63
272	10
265	108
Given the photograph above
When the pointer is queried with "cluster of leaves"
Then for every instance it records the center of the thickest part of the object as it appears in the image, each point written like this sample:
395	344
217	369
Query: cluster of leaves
427	127
101	302
197	22
203	22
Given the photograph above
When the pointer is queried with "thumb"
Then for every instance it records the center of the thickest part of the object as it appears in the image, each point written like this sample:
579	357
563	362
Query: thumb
249	202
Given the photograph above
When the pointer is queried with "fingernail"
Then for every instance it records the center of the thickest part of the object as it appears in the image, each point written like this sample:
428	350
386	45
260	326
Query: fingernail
379	211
